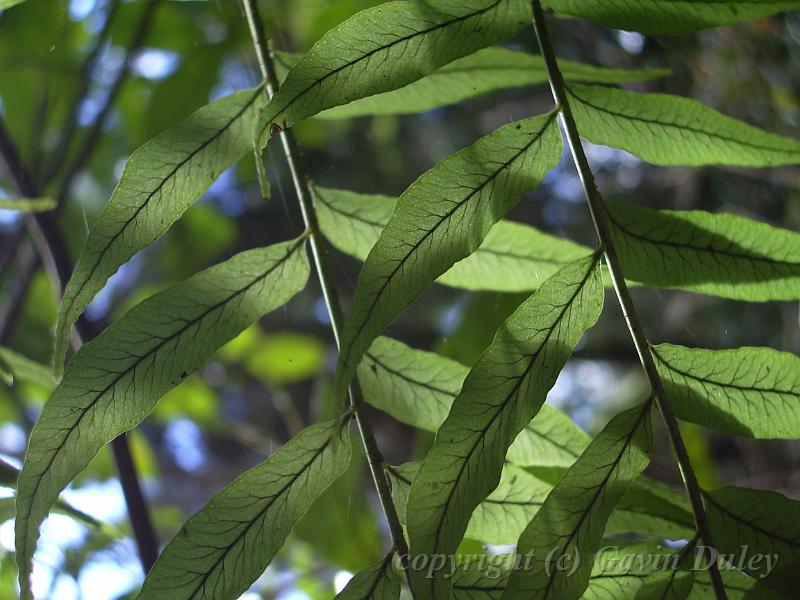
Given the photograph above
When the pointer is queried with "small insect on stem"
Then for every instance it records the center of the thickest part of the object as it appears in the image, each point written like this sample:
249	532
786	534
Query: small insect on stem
275	129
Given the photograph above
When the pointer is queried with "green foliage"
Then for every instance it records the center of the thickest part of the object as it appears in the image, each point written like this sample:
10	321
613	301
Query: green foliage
674	584
668	130
161	180
753	392
27	204
222	549
565	534
760	524
114	381
9	3
718	254
387	47
375	583
484	71
418	388
440	219
512	258
15	367
505	513
657	17
505	467
501	394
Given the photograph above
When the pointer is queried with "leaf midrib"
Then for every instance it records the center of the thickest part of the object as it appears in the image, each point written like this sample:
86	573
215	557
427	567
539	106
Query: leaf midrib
381	576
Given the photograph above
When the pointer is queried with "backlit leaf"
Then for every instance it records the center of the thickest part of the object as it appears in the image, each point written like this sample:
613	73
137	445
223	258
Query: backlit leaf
386	47
660	17
161	180
115	380
505	513
440	219
226	546
753	392
512	258
717	254
565	534
486	70
669	130
375	583
418	388
673	584
501	394
761	526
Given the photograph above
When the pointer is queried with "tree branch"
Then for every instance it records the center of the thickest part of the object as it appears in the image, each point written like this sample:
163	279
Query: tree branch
96	129
84	80
319	251
642	344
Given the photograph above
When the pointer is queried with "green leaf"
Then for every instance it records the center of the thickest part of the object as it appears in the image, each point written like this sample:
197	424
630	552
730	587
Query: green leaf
440	219
657	17
226	546
738	586
650	507
761	530
618	572
386	47
674	584
476	580
501	394
375	583
115	380
503	515
8	478
512	258
18	367
261	174
620	569
286	357
418	388
718	254
161	180
9	3
486	70
668	130
27	205
753	392
565	534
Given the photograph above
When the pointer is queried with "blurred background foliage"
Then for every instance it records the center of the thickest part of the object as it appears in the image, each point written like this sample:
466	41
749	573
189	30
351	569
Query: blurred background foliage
274	379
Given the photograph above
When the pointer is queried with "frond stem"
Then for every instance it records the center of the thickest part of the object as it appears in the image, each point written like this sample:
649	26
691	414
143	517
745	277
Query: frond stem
642	344
319	251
